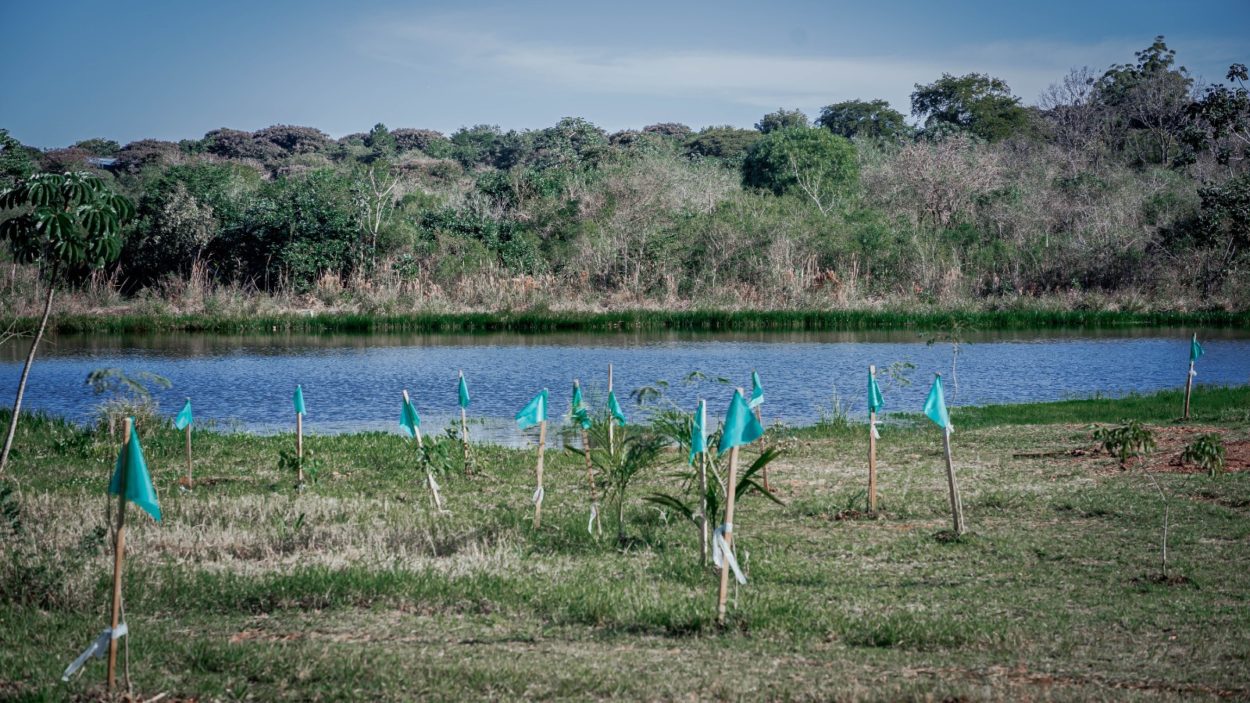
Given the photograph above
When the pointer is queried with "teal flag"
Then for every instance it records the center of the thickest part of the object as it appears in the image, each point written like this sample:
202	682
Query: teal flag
741	427
464	393
299	400
139	488
875	401
534	412
184	419
408	418
757	391
935	405
1195	349
580	414
698	432
615	408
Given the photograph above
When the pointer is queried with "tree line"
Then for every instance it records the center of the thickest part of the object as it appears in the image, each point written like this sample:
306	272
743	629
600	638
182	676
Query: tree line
1130	181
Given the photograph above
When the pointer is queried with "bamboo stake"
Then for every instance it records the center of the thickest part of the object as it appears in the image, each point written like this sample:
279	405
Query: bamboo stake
957	508
189	480
429	477
464	432
759	417
872	453
590	471
1189	385
299	444
729	521
611	420
119	551
542	444
703	532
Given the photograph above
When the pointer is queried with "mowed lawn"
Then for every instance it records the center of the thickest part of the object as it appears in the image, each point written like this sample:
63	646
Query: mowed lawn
355	589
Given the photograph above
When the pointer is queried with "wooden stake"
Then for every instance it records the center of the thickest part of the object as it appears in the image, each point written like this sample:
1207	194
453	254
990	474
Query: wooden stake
119	551
759	417
299	444
729	543
1189	385
703	531
590	471
429	477
189	480
957	508
542	444
464	433
611	420
872	453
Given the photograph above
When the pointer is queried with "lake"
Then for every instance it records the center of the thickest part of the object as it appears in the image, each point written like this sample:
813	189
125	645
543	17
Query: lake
353	382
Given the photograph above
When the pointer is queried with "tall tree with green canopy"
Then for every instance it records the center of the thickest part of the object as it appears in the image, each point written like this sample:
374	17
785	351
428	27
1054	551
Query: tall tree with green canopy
1150	100
976	102
781	119
812	163
873	119
60	222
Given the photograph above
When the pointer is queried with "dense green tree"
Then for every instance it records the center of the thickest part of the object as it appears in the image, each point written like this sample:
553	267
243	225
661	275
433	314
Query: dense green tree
674	130
729	144
781	119
812	163
295	140
182	215
975	102
60	222
98	147
426	141
868	119
1222	119
145	153
572	142
16	160
381	143
237	144
1149	101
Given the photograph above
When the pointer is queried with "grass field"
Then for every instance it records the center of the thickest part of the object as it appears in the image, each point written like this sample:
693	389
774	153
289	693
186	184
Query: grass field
355	589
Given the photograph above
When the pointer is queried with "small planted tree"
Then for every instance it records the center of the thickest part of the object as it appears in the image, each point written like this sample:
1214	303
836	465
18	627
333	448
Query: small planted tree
1130	440
60	222
1206	452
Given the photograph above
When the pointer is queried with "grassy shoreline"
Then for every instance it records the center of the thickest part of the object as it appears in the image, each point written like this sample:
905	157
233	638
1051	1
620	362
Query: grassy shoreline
556	321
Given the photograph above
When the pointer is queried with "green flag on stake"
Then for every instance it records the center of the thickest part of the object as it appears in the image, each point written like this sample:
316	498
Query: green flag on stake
579	412
935	405
184	419
299	400
875	401
615	408
741	427
757	391
1195	349
139	488
534	411
409	419
698	432
464	393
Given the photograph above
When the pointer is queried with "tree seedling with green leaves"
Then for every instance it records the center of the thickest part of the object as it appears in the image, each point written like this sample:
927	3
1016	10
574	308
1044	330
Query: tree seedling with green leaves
1206	452
61	222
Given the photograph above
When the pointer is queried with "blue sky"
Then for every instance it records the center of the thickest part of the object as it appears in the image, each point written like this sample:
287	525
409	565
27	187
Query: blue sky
127	70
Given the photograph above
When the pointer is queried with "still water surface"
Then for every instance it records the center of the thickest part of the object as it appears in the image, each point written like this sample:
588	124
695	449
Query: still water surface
353	382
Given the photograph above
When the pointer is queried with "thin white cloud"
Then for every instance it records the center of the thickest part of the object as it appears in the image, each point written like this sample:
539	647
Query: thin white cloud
757	79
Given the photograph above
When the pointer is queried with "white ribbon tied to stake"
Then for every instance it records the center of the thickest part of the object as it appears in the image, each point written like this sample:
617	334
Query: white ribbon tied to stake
875	433
594	513
538	496
97	649
721	551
